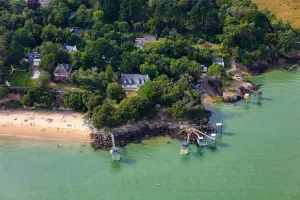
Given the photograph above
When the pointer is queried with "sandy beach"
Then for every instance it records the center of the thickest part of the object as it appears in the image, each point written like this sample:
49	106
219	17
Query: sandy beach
206	99
44	125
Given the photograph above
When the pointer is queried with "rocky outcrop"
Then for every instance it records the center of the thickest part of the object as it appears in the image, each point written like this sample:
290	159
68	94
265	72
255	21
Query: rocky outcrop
29	108
258	67
62	108
231	96
143	129
236	93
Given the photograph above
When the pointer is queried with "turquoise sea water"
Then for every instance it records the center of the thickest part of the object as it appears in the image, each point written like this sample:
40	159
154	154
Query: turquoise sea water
258	158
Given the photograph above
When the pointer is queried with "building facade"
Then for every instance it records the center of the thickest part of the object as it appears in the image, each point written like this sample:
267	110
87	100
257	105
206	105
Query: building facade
34	59
62	72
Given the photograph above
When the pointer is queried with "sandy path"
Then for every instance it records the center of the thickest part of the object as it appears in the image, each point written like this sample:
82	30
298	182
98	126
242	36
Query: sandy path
44	125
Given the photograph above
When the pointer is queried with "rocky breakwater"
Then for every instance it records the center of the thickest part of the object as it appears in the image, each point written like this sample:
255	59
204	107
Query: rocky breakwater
237	91
141	130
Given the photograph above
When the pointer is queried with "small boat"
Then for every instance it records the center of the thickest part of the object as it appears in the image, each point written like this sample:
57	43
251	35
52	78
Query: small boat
157	184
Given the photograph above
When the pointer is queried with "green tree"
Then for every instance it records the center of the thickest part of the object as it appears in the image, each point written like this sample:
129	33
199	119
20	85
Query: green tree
73	100
114	91
151	70
102	116
76	60
92	100
60	14
88	79
109	75
102	51
131	61
194	112
83	17
111	10
47	99
215	71
287	41
27	100
58	53
51	33
184	65
3	92
18	6
34	29
131	109
33	95
16	52
123	27
133	10
43	79
47	62
24	37
177	110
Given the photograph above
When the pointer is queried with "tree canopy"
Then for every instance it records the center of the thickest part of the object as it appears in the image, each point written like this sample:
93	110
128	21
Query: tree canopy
104	32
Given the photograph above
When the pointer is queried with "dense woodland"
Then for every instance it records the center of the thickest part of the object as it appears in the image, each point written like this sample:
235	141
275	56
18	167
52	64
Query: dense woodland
109	29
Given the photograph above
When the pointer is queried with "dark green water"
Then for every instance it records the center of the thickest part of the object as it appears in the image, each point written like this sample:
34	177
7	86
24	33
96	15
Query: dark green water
257	158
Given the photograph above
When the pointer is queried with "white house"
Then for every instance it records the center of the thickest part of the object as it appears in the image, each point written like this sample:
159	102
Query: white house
133	81
140	42
44	2
70	48
204	68
219	61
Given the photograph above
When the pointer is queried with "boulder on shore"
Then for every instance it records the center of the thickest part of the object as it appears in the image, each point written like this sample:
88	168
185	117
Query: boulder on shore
229	96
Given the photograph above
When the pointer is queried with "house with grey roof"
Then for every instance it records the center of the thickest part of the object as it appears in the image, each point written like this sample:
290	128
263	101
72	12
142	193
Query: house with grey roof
44	2
62	72
34	59
76	31
70	48
140	42
219	61
133	81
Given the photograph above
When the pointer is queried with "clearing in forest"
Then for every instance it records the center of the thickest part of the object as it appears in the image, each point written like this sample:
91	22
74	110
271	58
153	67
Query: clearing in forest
283	9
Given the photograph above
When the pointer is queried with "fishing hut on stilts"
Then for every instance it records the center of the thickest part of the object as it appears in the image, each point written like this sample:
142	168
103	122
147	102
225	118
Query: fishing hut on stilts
203	139
219	128
115	151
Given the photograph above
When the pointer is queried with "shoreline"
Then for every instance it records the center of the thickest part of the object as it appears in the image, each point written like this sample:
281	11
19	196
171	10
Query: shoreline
43	125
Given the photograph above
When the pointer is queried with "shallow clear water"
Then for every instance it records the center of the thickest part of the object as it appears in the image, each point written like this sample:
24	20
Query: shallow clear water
258	157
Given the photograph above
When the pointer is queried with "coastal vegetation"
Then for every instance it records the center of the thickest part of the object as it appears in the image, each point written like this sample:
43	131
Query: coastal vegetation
190	34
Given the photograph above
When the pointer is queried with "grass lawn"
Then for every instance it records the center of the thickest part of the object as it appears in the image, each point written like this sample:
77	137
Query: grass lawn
66	87
21	78
283	9
130	94
208	45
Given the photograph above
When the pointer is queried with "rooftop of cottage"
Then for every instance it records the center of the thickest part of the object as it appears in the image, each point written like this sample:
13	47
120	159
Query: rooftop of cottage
70	48
134	79
142	41
63	69
218	60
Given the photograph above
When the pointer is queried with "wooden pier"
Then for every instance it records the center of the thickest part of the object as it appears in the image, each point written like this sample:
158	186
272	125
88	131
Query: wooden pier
115	151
